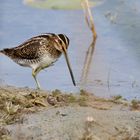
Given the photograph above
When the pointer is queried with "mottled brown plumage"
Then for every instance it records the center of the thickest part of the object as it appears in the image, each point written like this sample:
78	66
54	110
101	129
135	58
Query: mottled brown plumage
40	52
33	48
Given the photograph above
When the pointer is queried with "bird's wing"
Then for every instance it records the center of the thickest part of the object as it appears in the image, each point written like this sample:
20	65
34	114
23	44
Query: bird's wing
29	49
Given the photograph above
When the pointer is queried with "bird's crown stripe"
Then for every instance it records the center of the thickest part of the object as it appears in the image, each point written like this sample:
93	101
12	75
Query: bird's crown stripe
63	38
66	40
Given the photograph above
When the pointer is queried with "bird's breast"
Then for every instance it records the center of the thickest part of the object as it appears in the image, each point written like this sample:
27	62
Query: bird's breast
45	61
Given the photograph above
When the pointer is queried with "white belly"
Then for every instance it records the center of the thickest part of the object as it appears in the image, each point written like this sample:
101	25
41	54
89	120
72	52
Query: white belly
45	62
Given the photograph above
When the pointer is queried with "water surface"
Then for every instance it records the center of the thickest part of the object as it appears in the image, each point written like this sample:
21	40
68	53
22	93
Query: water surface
115	64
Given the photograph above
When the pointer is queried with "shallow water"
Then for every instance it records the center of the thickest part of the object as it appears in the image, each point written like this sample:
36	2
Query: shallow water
115	64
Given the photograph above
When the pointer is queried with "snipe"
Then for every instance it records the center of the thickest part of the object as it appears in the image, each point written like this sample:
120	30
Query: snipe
40	52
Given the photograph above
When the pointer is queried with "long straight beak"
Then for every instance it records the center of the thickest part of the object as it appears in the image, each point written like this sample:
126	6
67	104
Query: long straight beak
68	64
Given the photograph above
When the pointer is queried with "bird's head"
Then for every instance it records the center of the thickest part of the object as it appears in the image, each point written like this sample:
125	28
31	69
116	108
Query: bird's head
61	44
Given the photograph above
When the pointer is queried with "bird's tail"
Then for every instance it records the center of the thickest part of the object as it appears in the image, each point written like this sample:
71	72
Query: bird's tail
6	52
1	51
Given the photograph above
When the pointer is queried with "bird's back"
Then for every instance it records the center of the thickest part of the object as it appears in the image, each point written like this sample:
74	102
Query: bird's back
33	50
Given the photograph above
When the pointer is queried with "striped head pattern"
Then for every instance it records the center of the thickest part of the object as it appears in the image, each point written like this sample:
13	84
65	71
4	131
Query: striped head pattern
60	39
63	38
61	42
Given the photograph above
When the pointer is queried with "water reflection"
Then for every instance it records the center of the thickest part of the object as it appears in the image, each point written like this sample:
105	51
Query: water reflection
87	62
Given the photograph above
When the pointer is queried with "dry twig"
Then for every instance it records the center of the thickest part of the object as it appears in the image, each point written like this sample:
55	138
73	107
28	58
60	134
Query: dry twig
88	17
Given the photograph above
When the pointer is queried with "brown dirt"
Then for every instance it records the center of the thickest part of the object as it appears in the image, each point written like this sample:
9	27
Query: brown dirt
41	115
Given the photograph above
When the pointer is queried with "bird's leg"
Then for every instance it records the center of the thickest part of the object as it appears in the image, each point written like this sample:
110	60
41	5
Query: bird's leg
34	74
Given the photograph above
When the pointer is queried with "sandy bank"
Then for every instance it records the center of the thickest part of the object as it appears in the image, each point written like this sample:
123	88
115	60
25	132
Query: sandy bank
28	114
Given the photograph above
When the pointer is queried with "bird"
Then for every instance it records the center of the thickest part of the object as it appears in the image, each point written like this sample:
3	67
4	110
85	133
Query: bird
40	52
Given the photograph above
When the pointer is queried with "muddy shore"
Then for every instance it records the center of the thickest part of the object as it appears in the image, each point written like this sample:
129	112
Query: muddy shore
28	114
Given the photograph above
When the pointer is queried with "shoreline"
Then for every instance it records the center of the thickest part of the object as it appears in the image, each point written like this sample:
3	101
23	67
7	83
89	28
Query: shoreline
38	114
